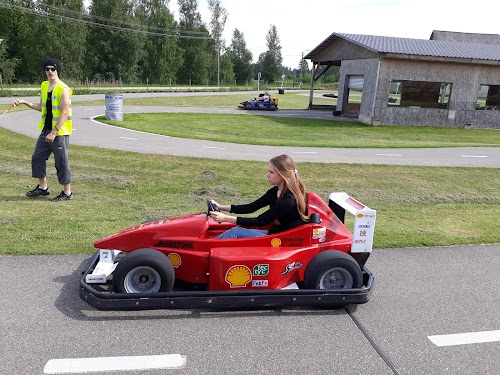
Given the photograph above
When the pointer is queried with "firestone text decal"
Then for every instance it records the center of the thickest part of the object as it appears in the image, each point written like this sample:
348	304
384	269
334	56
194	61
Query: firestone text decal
175	244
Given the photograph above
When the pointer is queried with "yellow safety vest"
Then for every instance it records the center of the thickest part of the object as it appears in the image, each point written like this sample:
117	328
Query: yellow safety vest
57	92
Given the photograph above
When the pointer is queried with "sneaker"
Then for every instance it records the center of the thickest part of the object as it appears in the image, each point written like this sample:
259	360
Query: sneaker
62	197
38	192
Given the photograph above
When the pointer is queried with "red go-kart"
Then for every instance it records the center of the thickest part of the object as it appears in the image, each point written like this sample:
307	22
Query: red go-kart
178	263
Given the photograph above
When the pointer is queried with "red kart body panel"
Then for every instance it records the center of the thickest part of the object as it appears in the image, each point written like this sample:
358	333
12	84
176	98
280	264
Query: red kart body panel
267	262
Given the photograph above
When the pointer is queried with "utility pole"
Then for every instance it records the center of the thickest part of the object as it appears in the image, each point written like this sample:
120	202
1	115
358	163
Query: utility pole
218	65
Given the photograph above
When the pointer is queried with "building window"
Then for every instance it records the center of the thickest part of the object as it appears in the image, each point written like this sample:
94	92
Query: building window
489	98
419	94
354	93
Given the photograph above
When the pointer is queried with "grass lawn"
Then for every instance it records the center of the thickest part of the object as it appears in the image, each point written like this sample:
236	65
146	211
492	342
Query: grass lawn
417	206
279	131
267	130
291	100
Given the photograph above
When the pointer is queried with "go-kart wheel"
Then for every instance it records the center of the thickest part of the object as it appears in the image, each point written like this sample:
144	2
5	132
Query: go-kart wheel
144	271
333	269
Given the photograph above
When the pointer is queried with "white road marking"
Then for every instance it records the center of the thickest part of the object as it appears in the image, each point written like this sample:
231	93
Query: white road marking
214	148
473	156
82	365
132	139
388	154
465	338
304	152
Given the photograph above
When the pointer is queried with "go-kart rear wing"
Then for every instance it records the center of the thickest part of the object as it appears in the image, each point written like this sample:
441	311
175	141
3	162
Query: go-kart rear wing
364	220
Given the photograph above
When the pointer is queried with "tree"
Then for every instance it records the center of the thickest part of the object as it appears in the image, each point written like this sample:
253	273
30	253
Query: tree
162	56
113	54
63	38
195	43
241	58
226	69
217	24
303	67
272	59
20	39
7	66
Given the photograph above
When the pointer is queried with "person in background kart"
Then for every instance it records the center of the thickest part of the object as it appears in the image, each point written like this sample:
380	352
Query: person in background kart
264	98
287	201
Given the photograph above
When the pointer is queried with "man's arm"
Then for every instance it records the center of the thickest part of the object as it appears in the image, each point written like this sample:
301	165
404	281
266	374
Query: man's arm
36	107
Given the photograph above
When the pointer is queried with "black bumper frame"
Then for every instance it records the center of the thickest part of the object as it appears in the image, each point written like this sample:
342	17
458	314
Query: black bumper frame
104	300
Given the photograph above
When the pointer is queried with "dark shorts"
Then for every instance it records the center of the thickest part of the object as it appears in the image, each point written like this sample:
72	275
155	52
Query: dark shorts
42	152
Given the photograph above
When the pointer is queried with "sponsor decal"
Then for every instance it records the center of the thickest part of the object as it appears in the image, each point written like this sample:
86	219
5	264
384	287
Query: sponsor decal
291	266
292	242
319	233
238	276
175	259
105	255
365	215
175	244
359	241
275	242
260	283
367	226
261	270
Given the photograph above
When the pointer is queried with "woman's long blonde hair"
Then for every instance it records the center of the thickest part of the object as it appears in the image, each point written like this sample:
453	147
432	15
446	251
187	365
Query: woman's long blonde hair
285	166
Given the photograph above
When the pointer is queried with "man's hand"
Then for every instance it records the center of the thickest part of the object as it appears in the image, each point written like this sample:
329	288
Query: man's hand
50	137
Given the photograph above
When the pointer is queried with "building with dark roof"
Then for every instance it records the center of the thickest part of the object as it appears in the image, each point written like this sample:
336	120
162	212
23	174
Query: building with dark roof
452	79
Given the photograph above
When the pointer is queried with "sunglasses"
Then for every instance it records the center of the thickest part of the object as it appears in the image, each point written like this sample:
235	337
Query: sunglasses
50	69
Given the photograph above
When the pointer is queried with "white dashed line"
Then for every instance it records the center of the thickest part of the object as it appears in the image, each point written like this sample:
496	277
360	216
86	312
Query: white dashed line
131	139
473	156
388	154
465	338
214	148
84	365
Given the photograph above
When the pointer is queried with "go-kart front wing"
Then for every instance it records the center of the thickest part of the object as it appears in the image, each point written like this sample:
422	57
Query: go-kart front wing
105	300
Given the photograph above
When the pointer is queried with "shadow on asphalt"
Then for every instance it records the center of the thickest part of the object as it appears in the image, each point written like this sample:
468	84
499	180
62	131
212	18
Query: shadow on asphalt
70	304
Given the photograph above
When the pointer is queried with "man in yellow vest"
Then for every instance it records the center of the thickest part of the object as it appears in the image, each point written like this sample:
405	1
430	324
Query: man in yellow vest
56	126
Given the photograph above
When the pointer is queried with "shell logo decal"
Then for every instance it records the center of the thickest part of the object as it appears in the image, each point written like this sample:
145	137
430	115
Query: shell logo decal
175	259
359	216
238	276
275	242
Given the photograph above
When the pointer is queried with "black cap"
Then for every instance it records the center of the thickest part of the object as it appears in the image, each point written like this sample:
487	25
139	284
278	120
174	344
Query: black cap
52	62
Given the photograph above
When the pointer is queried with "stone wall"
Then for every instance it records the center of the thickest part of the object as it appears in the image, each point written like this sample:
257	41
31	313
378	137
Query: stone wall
464	77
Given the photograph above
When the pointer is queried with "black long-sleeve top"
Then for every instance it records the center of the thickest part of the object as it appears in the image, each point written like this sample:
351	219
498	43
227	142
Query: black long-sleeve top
282	211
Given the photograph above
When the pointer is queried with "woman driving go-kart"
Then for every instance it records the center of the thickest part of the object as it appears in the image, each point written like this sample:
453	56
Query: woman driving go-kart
287	201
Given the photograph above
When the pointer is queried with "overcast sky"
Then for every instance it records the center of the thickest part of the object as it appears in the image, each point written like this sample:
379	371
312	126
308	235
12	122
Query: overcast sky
302	25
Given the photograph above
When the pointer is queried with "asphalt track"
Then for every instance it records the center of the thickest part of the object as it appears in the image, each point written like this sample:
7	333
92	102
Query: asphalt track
91	133
420	294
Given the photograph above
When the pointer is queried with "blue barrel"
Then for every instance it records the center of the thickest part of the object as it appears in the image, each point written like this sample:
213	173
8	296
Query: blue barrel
114	107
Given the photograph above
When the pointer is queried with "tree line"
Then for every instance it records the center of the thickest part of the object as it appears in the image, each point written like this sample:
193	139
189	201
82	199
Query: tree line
132	41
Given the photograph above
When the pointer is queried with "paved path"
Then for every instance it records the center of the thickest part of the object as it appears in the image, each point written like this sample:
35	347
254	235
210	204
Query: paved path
419	293
91	133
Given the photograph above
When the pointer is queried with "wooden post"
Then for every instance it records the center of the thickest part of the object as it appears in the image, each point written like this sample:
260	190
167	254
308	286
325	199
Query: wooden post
311	91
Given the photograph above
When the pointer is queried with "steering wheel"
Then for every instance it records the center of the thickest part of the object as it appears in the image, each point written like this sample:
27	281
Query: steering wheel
212	207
